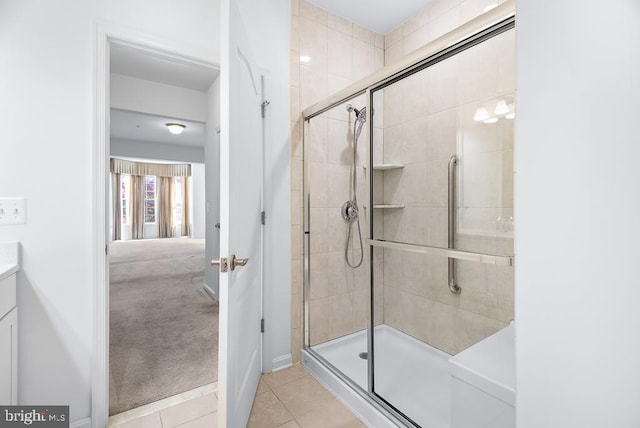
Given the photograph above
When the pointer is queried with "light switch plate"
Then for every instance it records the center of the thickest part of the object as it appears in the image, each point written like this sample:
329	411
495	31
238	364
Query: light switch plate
13	211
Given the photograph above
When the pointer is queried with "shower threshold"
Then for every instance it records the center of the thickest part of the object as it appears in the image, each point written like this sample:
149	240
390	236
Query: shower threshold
409	374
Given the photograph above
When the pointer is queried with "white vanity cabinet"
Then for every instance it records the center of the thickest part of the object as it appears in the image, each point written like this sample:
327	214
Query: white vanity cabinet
8	340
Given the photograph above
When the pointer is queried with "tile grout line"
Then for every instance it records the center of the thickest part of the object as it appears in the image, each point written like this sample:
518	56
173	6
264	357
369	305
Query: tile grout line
291	381
354	416
190	420
199	417
126	417
283	405
293	418
310	411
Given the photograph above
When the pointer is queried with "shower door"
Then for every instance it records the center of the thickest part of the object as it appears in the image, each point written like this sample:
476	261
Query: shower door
337	304
441	236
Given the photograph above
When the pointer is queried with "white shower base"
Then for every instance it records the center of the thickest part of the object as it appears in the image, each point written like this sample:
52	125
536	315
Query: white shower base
409	374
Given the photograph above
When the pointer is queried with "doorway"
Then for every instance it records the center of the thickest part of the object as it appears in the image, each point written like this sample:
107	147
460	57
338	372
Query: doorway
163	87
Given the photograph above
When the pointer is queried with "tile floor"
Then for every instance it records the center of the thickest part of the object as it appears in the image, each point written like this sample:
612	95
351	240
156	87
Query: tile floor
290	398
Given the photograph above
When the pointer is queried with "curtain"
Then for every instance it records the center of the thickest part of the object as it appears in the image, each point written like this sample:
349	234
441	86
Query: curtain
164	210
137	206
165	194
116	189
185	207
158	169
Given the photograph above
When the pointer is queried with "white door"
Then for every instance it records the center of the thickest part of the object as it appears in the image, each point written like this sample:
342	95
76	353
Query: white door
240	222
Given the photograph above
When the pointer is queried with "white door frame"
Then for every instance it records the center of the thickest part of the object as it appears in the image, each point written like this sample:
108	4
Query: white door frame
105	34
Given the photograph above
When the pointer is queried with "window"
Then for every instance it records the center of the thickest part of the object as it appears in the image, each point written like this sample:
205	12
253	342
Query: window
150	199
177	200
125	182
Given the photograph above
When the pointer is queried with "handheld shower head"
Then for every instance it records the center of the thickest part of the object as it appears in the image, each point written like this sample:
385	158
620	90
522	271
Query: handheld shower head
361	115
350	208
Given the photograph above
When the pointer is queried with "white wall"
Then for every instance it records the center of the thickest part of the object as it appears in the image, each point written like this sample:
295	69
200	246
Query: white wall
130	93
158	151
46	86
212	177
577	204
270	25
198	200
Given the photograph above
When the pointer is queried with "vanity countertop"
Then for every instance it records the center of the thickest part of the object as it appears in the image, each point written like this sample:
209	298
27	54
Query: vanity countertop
9	258
7	269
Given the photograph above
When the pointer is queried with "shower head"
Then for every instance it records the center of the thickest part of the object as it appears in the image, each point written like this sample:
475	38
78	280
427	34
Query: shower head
361	115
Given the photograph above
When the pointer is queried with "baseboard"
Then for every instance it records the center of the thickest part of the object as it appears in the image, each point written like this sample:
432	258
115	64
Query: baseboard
82	423
282	362
210	292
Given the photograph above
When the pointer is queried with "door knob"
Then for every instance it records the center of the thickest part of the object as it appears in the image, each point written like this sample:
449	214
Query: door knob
231	263
222	263
235	262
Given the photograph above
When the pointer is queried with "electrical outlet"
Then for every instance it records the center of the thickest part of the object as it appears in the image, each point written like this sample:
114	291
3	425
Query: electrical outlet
13	211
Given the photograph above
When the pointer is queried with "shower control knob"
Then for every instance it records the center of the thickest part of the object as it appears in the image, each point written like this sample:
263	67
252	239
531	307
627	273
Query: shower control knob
349	211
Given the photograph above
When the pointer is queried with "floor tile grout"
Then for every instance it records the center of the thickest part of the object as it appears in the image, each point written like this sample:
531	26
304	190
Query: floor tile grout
282	402
292	420
286	408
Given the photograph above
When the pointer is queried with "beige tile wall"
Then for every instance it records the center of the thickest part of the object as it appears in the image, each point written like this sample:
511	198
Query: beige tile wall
438	18
339	294
340	53
427	118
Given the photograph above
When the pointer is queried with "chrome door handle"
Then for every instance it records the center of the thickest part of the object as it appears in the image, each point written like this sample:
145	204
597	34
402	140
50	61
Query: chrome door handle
222	263
236	262
231	263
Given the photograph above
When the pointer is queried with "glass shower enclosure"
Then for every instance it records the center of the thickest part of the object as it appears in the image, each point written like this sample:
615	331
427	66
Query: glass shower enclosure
418	188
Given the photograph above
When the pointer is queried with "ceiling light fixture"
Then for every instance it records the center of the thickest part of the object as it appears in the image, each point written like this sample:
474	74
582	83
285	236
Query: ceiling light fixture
491	120
305	58
175	128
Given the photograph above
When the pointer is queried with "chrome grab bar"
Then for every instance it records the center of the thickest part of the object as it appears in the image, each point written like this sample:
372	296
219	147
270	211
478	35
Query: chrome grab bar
491	259
453	283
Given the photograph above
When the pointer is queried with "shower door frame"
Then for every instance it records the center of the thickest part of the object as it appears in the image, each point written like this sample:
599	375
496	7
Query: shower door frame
472	33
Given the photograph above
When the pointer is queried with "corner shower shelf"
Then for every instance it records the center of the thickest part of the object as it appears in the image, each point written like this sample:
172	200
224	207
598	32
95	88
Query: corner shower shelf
387	166
388	206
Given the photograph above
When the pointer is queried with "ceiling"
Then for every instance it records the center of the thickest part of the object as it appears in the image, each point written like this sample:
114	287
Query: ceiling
158	68
380	16
131	125
147	65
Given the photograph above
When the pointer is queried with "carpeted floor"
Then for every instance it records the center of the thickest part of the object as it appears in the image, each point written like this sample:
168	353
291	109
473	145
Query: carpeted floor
163	326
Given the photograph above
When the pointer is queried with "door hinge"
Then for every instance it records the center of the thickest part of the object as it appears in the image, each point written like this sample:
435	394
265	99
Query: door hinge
106	250
262	325
263	218
263	107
